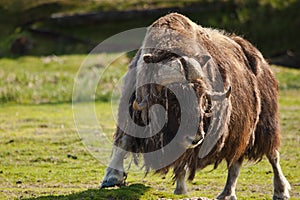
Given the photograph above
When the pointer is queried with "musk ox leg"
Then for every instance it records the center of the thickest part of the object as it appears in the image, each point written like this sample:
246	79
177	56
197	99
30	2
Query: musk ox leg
115	173
229	190
281	185
180	183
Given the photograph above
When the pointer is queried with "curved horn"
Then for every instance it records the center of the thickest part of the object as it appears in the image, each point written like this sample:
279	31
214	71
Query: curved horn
157	56
218	127
217	96
194	67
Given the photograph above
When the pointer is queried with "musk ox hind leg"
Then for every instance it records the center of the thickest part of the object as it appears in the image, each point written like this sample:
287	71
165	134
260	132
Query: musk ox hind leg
228	192
281	185
115	173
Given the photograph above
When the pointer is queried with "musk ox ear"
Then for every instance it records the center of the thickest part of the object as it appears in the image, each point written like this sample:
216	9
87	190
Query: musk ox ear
194	67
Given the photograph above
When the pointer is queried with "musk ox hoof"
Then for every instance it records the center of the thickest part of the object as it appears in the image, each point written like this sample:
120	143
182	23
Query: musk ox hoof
282	188
224	197
113	178
280	197
180	191
111	182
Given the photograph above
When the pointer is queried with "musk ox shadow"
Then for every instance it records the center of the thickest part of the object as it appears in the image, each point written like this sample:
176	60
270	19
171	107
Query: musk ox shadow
193	97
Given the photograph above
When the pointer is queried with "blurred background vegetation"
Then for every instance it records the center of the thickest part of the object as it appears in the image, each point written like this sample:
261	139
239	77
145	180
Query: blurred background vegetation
43	42
45	27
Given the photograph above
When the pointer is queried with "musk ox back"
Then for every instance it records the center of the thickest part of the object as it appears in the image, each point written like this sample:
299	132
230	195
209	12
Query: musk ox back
195	96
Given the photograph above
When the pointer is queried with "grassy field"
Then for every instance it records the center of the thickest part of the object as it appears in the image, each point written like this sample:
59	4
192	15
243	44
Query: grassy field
43	157
50	79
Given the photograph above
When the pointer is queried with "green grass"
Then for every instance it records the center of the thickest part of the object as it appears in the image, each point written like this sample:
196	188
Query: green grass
43	157
37	139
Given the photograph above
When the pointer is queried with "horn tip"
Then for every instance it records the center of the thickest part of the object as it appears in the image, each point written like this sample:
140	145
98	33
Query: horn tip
147	58
228	92
135	105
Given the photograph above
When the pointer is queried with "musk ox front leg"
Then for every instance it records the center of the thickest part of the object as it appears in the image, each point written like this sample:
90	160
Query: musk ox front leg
180	183
115	173
281	185
229	190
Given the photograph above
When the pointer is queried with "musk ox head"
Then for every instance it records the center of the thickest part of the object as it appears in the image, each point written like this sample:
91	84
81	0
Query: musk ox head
155	72
163	76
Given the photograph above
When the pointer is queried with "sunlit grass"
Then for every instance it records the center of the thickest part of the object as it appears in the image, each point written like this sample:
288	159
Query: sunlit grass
42	154
37	141
51	79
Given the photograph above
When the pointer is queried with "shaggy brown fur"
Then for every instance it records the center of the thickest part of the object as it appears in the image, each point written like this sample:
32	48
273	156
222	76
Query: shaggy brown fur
251	127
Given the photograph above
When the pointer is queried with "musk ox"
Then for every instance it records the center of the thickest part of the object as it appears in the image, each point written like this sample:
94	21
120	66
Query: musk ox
192	97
